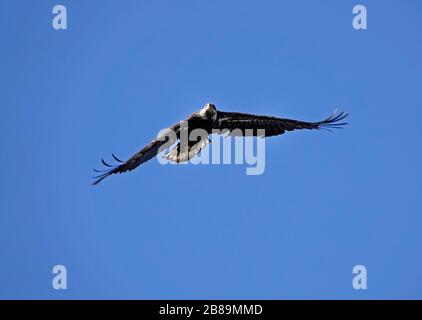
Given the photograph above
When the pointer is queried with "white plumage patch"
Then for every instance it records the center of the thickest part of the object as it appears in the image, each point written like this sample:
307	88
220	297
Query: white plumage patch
187	152
208	112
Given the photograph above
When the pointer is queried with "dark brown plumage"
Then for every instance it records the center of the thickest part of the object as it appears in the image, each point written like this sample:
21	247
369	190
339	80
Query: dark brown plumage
213	121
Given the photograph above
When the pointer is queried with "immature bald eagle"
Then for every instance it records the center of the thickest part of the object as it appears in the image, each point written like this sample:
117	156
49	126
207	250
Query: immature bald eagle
210	119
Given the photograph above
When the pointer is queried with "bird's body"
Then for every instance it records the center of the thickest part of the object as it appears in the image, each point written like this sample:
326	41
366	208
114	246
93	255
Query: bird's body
210	120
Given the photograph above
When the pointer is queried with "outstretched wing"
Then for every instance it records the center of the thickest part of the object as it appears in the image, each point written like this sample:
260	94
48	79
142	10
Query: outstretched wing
147	153
238	124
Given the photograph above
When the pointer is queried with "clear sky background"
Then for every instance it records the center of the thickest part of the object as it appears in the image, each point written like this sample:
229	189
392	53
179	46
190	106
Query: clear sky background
125	69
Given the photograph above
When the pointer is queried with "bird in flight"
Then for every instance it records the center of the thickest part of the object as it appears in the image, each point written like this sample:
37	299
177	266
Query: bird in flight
211	120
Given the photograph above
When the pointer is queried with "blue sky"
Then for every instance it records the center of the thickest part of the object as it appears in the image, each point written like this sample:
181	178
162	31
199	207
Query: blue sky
125	69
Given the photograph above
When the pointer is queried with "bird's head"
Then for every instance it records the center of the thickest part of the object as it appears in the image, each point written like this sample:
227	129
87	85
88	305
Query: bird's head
210	106
208	111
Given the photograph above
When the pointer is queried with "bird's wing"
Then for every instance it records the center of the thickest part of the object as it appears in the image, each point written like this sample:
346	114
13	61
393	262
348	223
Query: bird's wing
185	152
237	124
145	154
